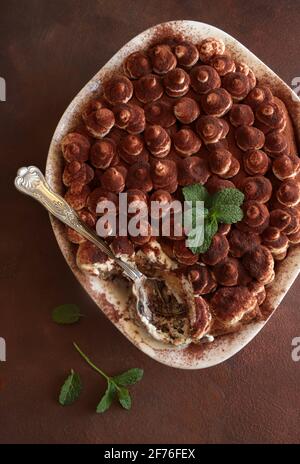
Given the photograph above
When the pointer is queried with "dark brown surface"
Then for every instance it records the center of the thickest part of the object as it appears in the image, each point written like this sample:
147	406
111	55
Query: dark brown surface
49	50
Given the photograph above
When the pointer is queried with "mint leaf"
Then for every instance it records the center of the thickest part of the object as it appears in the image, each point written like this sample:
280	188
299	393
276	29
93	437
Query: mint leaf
210	229
225	205
196	238
129	377
107	398
229	215
71	389
195	192
66	314
124	398
193	216
227	196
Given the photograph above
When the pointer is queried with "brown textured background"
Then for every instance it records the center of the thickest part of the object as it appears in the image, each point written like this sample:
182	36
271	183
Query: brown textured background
49	50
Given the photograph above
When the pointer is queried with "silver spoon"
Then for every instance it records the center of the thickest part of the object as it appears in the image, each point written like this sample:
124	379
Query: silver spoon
31	181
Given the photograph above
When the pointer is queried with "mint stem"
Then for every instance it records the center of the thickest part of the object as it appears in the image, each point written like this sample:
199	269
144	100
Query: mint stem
93	366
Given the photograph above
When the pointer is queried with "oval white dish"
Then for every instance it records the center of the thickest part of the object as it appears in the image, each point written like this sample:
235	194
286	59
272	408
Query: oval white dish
112	297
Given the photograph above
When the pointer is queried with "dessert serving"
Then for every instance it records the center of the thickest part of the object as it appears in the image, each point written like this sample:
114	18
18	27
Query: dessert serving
182	114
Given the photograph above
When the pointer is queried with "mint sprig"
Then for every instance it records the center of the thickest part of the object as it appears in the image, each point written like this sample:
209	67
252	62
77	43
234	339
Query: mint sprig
116	386
222	207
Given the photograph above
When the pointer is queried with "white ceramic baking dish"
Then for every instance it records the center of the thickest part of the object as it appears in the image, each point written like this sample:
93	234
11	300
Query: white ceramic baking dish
112	298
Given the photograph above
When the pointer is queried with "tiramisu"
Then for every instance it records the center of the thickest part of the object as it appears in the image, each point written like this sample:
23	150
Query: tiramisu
182	114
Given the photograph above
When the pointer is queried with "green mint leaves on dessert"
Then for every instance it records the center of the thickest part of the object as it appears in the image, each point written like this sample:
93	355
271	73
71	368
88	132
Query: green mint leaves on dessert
230	215
222	207
71	389
228	196
210	229
226	205
195	192
66	314
116	386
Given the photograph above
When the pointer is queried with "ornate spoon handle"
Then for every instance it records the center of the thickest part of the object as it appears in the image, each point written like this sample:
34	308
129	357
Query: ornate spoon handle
31	181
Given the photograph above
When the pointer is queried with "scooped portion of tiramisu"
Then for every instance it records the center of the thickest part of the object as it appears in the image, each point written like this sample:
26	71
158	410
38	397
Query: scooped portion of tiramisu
187	121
